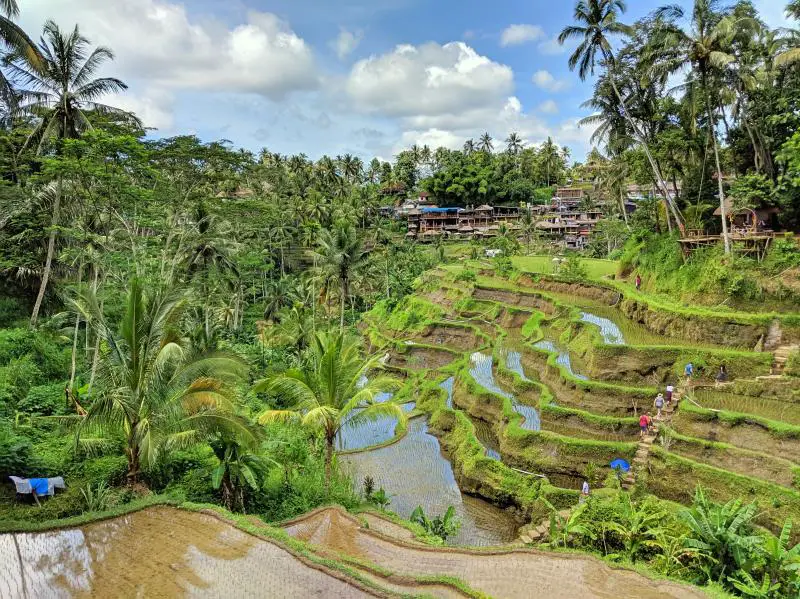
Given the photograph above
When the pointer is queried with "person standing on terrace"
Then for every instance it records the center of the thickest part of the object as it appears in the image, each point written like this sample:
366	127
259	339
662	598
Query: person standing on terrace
668	397
658	404
638	282
689	370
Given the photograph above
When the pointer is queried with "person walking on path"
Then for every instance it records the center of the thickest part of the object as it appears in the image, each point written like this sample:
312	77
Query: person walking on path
668	397
638	282
658	404
722	375
644	425
689	370
584	492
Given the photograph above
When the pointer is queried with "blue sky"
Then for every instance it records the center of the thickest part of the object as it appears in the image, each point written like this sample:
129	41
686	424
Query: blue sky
366	77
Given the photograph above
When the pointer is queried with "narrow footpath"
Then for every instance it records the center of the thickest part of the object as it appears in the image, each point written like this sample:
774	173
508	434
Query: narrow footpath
782	354
642	457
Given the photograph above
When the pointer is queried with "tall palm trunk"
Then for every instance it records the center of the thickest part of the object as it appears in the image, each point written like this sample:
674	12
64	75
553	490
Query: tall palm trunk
329	440
343	285
74	358
723	211
48	263
668	204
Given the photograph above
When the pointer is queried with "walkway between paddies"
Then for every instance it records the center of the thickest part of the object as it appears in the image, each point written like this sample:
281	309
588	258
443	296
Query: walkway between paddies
502	572
646	443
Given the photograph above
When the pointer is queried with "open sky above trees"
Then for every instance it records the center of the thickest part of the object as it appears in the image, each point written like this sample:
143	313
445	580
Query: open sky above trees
329	78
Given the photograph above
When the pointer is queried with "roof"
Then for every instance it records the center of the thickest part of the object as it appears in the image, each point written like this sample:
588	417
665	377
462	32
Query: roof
484	207
432	209
729	209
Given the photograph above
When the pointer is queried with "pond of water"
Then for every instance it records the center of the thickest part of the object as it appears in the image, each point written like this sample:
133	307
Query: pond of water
514	364
362	434
483	374
610	332
414	472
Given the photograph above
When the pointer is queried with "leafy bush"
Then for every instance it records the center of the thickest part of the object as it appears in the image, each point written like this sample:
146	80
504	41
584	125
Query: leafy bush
109	469
44	400
467	275
16	453
444	526
97	497
16	379
10	311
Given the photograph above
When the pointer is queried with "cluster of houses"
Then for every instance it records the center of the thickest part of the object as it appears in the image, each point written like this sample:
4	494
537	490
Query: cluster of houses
566	220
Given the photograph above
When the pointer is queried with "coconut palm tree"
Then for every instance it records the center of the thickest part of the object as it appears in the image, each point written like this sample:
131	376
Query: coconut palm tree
58	90
596	21
340	254
485	144
514	143
150	389
469	146
14	41
705	47
332	391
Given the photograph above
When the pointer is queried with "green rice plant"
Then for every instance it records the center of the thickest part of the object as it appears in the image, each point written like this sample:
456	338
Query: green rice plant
97	498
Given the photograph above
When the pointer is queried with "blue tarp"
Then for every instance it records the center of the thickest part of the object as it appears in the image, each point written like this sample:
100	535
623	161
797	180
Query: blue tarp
620	464
39	486
439	209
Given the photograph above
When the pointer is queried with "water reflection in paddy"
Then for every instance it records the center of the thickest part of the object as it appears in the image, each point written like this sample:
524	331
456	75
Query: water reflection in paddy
448	387
159	552
562	359
610	332
483	374
485	434
369	433
514	364
414	472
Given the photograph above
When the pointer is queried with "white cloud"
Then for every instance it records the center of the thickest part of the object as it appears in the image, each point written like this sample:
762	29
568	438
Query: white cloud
520	34
157	41
545	80
346	42
551	47
773	12
428	81
153	107
549	107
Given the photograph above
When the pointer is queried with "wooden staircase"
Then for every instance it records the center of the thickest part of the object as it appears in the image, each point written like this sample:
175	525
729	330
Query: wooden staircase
646	443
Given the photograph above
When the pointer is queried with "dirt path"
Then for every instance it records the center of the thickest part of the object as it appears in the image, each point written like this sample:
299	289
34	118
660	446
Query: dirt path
508	574
159	552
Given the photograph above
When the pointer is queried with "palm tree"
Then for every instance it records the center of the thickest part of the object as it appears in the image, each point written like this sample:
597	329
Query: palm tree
469	146
150	389
514	143
240	467
15	41
597	20
485	144
704	46
340	254
330	393
58	90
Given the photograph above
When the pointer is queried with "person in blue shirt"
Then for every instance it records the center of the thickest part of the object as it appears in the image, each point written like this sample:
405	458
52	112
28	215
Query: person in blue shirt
689	370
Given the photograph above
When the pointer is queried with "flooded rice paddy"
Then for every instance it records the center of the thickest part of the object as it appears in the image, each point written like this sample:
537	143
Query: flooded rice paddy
362	434
610	332
562	359
485	434
159	552
514	364
483	374
414	472
448	387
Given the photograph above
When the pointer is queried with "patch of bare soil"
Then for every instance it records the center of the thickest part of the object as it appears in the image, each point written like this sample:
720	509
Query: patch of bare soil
420	358
159	552
513	573
601	294
513	298
460	338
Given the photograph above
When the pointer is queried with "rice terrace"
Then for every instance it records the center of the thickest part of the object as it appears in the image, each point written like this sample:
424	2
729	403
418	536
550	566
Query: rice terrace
400	299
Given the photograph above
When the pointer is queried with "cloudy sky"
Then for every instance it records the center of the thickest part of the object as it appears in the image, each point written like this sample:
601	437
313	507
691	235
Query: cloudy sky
368	77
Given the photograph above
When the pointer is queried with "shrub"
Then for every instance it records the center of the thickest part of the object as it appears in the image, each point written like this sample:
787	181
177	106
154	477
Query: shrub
10	311
16	379
16	453
44	400
467	275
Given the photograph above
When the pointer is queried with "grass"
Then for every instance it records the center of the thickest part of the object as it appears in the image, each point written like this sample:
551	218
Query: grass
596	269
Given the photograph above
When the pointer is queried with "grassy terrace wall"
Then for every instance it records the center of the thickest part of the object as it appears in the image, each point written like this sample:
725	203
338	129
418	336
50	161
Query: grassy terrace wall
539	452
742	430
674	478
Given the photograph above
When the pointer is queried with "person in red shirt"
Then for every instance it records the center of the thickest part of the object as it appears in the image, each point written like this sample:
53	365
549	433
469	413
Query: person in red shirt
644	424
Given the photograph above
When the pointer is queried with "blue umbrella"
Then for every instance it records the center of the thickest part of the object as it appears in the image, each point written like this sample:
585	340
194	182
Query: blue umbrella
620	464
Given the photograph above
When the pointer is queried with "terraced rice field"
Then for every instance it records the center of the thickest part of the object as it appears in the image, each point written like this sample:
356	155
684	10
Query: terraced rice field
363	434
772	409
414	472
483	374
159	552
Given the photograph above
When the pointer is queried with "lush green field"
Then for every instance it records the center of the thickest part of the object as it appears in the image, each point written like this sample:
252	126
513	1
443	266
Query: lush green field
595	268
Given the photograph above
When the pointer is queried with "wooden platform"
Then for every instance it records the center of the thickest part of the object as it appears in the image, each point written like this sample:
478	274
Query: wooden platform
753	244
